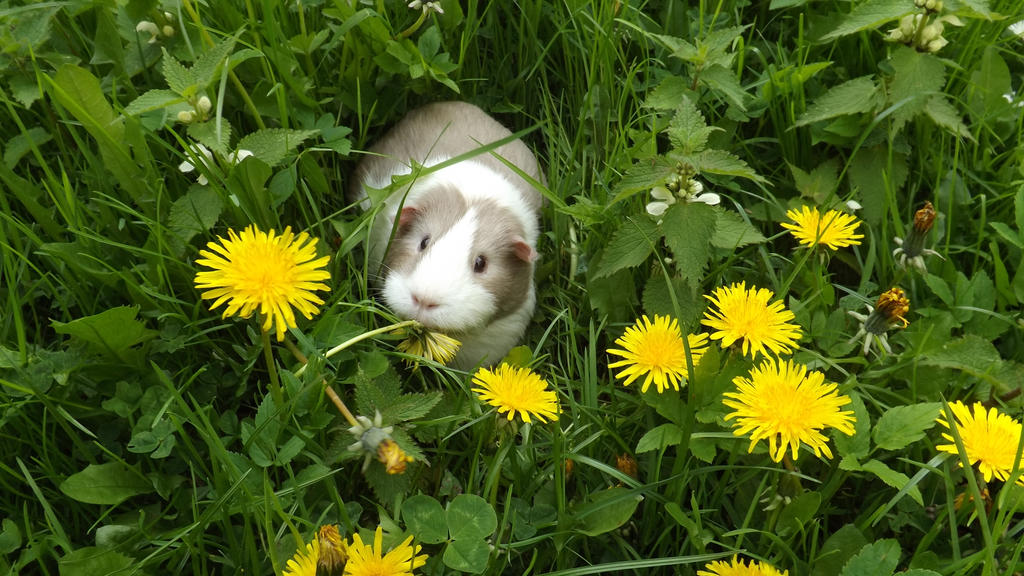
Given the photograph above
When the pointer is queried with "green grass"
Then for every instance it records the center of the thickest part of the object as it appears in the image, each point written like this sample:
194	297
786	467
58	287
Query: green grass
141	433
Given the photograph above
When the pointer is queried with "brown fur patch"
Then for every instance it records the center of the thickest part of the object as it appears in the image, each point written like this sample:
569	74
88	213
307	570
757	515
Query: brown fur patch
507	276
436	212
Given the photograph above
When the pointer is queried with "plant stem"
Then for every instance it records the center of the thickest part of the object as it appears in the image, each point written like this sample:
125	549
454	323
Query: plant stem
275	383
360	338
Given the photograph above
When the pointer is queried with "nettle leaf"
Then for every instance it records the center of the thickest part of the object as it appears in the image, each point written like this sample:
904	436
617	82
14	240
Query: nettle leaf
272	145
195	212
900	426
658	300
668	94
152	100
820	183
897	480
869	15
108	484
971	354
659	438
112	332
851	97
732	231
412	406
688	230
945	115
688	129
630	246
642	176
723	81
720	162
877	559
179	78
916	76
205	69
215	134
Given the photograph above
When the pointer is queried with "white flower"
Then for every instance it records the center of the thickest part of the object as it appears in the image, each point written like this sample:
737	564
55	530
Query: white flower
663	198
205	156
853	205
241	154
1017	28
151	28
426	6
694	192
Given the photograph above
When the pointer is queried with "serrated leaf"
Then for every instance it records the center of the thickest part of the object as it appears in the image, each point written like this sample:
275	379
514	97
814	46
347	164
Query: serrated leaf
897	480
412	406
470	517
837	550
112	332
688	230
915	77
630	246
902	425
688	130
92	560
724	82
659	438
152	100
657	300
732	231
272	145
945	115
851	97
869	15
720	162
606	510
376	393
179	78
641	177
668	94
108	484
205	69
195	212
215	134
877	559
971	354
425	518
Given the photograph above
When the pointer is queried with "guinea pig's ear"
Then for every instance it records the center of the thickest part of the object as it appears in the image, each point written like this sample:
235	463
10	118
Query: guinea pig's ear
523	251
408	216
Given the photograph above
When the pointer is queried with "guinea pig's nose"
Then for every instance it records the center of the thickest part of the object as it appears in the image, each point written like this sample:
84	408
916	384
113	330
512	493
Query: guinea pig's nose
422	302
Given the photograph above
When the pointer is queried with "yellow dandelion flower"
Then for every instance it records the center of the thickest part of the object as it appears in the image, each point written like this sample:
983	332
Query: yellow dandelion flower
738	568
303	563
656	349
366	560
392	456
786	404
511	389
747	315
835	229
262	271
333	551
429	346
990	438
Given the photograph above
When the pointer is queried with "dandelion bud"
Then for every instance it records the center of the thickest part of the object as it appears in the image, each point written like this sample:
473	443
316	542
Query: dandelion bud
186	116
167	30
333	551
204	105
392	456
627	465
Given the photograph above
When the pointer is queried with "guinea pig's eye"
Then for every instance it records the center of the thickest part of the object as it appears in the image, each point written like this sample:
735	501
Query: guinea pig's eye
480	264
424	242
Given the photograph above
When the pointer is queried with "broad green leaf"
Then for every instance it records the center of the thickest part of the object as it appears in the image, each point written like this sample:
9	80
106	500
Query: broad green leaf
732	231
851	97
215	134
720	162
195	212
289	450
112	332
21	144
425	518
971	354
875	173
179	78
688	231
630	246
989	81
868	15
272	145
90	561
467	555
897	480
837	550
205	69
688	130
470	517
799	513
411	406
980	8
856	447
820	183
916	77
658	300
107	484
724	82
10	536
669	94
659	438
902	425
606	510
877	559
642	176
152	100
945	115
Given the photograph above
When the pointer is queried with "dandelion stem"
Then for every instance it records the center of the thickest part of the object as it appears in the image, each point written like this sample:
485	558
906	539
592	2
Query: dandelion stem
275	383
339	404
360	338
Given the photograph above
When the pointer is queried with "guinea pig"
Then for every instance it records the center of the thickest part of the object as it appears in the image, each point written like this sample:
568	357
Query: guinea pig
456	247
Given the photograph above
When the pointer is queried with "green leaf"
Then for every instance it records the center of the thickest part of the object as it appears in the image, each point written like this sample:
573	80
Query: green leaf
179	78
799	513
204	71
90	561
837	550
688	130
425	518
875	173
21	144
688	231
470	517
659	438
851	97
902	425
971	354
606	510
412	406
215	134
897	480
641	177
945	115
878	559
820	184
272	145
720	162
856	447
630	246
916	76
733	231
10	536
152	100
657	300
724	82
108	484
195	212
668	94
112	332
869	15
467	555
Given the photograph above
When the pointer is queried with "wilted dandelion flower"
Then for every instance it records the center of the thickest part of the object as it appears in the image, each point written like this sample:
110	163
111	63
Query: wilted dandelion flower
655	349
889	312
786	404
367	560
835	229
738	568
431	346
626	464
912	251
263	271
746	315
989	437
392	456
512	390
324	556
